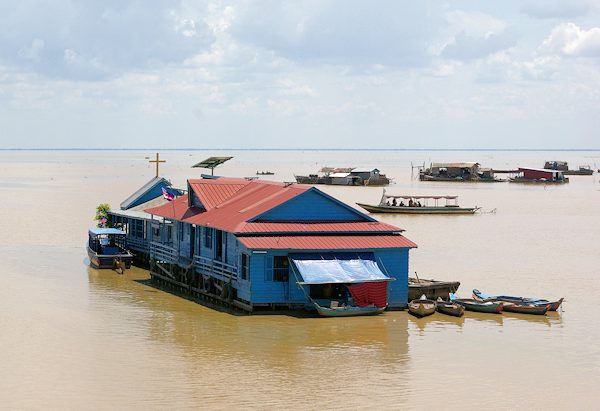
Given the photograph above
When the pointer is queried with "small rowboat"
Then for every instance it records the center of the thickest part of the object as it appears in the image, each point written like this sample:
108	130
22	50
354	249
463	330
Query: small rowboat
553	305
525	308
478	306
347	311
450	308
421	307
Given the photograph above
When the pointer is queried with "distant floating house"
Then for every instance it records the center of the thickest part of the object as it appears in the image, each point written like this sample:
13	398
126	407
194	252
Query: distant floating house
539	175
258	244
469	171
349	176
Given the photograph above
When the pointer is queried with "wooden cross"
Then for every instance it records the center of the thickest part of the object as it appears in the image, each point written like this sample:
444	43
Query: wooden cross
157	161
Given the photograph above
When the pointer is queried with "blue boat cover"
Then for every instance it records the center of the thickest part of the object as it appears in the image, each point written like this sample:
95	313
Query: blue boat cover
321	271
101	231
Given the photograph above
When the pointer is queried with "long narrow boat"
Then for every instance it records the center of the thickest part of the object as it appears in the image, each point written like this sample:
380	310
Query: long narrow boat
450	308
524	308
553	305
478	306
407	204
107	248
347	311
422	307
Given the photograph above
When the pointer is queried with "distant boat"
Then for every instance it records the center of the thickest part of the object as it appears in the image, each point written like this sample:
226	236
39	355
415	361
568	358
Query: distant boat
432	289
564	167
346	176
450	308
107	248
347	311
422	307
553	305
396	205
265	173
478	306
458	172
539	176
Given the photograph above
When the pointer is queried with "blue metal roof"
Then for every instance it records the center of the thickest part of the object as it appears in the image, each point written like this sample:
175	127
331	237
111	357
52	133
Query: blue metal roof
101	231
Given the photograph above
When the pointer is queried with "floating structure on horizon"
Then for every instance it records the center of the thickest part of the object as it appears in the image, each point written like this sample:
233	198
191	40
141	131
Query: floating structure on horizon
458	172
346	176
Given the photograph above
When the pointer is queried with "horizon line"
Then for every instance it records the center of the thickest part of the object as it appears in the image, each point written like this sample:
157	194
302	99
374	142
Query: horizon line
291	149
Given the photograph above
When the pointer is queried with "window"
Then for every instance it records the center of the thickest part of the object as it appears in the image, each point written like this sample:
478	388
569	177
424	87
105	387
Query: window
281	268
180	229
244	266
208	233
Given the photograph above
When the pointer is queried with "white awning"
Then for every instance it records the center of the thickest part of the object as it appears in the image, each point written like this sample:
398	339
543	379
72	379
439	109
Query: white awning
339	271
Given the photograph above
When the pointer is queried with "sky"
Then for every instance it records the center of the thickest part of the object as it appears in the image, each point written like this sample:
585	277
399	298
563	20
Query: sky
300	74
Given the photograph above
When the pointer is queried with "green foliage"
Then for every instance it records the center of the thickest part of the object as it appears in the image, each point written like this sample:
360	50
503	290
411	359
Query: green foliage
102	214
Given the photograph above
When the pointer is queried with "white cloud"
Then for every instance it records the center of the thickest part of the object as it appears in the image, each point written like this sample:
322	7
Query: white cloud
570	40
557	8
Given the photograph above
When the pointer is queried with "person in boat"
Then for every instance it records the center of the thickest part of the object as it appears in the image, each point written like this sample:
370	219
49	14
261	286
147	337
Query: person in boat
418	204
394	202
401	203
411	203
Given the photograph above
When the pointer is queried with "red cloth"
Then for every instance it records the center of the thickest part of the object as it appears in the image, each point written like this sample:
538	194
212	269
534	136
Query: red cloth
365	294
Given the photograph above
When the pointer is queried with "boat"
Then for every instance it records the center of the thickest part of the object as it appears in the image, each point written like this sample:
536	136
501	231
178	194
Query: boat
346	176
450	308
458	172
478	306
539	176
347	311
524	308
422	307
265	173
107	248
564	167
553	305
432	289
407	204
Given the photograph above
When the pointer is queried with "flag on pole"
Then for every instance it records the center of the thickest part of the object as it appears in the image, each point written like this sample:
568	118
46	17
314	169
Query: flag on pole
167	195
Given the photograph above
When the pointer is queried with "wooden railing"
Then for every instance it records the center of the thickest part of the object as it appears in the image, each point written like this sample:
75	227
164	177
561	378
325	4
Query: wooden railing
163	252
138	244
215	268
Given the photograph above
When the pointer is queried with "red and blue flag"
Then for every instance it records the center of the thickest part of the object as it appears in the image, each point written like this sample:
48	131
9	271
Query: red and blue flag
167	195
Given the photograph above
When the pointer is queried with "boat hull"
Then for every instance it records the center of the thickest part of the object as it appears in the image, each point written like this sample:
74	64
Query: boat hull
421	308
536	181
481	307
455	310
552	305
417	210
425	177
431	289
526	308
348	311
108	261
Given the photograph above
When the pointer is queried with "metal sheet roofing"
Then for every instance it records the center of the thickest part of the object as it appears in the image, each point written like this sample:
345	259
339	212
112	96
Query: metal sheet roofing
217	192
126	204
338	242
454	165
542	170
333	227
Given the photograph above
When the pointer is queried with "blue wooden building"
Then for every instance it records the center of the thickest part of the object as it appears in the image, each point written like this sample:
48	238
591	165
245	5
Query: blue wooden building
260	245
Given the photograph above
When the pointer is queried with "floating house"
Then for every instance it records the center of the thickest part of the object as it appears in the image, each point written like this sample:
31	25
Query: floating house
261	245
539	175
469	171
349	176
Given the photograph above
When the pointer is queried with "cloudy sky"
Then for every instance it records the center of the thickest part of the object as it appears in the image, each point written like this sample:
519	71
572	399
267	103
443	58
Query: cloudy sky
300	74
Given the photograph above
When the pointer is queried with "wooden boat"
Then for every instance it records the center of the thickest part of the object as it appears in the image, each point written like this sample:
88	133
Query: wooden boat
564	167
347	311
478	306
450	308
553	305
432	289
523	308
422	307
396	205
107	248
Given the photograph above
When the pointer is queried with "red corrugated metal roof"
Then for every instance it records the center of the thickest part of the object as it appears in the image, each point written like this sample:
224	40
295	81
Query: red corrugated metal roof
332	227
216	192
338	242
252	199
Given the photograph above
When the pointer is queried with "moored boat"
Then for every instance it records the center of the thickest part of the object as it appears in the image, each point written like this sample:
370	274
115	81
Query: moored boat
422	307
107	248
395	204
552	305
347	311
539	176
432	289
450	308
478	306
524	308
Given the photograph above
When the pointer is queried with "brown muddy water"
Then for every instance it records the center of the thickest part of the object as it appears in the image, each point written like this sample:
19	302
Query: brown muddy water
76	338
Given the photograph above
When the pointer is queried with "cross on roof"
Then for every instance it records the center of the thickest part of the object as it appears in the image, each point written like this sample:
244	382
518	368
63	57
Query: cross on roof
157	161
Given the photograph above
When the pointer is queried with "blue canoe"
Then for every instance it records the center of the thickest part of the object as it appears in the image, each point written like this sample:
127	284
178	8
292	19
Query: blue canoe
347	311
552	305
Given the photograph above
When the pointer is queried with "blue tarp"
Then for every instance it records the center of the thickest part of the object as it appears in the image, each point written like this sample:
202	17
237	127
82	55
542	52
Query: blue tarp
101	231
320	271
